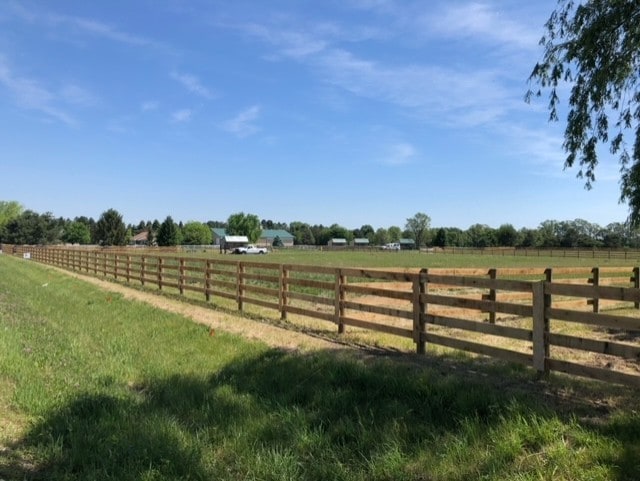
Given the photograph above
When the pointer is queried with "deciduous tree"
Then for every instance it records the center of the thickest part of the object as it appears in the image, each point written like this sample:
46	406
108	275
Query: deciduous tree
594	47
196	233
418	225
244	224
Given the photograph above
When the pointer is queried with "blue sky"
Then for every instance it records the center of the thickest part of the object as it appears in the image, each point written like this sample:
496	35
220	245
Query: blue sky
348	111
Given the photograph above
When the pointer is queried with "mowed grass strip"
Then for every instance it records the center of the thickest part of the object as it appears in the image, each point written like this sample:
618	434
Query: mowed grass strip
96	387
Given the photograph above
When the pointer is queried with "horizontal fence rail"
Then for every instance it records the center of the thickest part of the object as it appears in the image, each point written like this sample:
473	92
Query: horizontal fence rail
579	321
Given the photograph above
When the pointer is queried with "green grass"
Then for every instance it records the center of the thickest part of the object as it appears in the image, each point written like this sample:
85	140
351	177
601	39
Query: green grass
94	387
378	258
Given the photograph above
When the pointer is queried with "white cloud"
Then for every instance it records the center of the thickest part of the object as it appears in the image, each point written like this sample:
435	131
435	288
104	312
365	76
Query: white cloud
183	115
192	84
455	94
400	154
481	21
31	95
76	95
439	93
242	124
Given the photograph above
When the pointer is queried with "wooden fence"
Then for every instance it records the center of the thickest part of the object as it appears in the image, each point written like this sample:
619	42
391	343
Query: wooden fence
576	253
527	316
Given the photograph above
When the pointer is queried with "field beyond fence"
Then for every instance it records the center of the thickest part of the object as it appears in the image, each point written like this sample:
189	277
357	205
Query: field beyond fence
581	321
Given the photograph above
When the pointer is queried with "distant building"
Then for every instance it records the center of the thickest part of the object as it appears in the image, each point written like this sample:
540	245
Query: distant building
337	242
230	242
407	244
361	242
266	239
218	235
140	239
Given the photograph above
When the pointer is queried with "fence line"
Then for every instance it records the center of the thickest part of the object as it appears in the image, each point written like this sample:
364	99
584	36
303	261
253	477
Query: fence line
428	306
578	253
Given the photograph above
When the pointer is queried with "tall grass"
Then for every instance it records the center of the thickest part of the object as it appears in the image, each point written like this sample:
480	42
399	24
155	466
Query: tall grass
98	387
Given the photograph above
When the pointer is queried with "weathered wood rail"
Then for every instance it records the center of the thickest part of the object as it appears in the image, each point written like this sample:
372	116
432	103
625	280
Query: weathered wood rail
442	307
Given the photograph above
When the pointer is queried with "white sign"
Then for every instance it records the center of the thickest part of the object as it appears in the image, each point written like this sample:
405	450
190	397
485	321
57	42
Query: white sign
26	255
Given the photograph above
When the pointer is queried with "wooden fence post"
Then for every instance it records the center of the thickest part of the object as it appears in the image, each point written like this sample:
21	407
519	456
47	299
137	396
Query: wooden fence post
540	332
95	263
128	268
595	280
115	266
181	276
143	261
493	274
284	289
636	282
339	299
207	280
420	283
160	264
240	285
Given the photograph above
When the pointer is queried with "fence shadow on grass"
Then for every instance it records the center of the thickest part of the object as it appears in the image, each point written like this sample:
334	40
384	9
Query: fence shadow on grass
320	416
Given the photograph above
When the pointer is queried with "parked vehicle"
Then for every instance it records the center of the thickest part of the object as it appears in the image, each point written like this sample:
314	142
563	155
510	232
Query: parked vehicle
250	249
393	246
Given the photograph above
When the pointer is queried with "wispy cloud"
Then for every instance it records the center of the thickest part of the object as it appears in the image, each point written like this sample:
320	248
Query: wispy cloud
79	96
31	95
455	93
181	116
242	125
80	24
481	21
456	96
192	84
400	154
149	106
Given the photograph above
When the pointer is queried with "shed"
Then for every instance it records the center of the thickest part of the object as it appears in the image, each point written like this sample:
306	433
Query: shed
140	239
230	242
361	242
407	244
218	235
337	242
267	237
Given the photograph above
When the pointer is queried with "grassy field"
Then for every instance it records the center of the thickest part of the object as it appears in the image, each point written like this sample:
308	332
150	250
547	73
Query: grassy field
96	387
378	258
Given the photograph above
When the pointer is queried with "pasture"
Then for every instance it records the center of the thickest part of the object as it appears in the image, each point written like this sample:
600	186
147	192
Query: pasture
93	386
570	319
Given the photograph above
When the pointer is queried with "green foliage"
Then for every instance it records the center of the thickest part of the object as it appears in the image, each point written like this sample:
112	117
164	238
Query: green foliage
594	46
481	235
244	224
77	233
507	236
31	228
110	229
302	233
9	210
277	242
196	233
381	237
440	239
418	226
168	233
395	233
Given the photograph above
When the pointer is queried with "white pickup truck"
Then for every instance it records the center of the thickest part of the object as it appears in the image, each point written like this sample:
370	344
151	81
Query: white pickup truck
250	249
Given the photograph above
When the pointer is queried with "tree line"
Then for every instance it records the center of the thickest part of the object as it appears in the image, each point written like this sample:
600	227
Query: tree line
19	226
